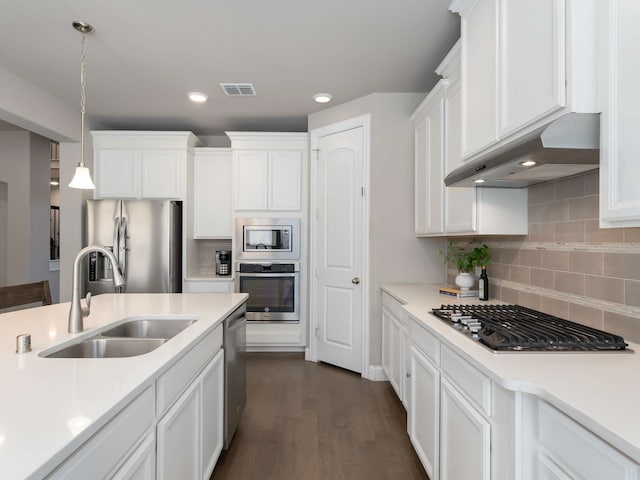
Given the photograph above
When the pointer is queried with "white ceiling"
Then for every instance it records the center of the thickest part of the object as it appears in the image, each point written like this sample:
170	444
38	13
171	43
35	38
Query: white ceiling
145	55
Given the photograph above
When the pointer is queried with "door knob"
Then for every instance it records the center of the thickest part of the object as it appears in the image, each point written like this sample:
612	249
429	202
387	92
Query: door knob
355	280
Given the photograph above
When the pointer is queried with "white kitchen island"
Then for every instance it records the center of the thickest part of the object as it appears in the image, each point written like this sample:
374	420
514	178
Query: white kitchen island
527	415
51	407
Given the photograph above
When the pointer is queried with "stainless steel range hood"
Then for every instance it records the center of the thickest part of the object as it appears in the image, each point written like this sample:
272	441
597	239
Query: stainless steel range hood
567	146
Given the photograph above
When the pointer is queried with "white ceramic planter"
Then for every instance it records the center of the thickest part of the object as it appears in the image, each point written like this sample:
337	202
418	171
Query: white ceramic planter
465	280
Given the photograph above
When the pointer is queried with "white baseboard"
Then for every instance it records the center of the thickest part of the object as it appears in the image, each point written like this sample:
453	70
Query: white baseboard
275	348
376	373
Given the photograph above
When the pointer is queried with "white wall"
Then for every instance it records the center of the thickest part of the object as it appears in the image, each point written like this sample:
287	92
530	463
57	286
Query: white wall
24	167
396	255
27	106
4	231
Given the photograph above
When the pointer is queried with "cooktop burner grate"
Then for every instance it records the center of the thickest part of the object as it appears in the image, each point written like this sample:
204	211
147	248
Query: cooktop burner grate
516	328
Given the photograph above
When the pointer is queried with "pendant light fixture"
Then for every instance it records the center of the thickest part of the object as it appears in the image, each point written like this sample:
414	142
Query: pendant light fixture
82	177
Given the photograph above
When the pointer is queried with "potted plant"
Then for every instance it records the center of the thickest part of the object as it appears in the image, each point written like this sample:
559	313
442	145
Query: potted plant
466	256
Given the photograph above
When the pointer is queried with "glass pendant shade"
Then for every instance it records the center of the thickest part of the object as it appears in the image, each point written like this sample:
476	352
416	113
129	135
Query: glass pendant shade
82	178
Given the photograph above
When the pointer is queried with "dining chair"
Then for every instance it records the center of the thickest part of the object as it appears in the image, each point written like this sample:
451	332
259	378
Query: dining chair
16	297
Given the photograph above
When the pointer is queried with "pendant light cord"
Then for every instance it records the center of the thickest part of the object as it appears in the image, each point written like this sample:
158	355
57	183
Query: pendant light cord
82	95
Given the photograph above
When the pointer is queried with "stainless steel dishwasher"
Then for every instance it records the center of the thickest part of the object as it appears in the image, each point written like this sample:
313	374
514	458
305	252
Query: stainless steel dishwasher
235	371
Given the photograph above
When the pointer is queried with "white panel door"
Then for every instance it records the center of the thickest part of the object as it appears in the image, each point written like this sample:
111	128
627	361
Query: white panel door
435	168
162	173
465	438
212	405
339	238
479	77
423	420
212	195
116	173
285	181
532	46
250	180
178	436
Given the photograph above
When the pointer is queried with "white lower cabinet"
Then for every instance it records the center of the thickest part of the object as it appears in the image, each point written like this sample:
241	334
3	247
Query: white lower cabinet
212	421
465	438
423	418
204	286
567	450
190	434
395	346
142	463
179	438
105	452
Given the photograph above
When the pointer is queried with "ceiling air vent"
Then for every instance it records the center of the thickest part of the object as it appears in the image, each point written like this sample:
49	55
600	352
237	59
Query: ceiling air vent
239	89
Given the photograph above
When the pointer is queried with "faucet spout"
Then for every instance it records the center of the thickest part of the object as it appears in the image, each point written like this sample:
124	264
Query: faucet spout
78	312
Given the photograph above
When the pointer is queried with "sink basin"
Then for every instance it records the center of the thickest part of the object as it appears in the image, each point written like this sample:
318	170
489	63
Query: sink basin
108	348
149	328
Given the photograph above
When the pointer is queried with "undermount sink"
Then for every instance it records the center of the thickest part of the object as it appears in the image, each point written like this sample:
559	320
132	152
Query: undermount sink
108	348
134	337
149	328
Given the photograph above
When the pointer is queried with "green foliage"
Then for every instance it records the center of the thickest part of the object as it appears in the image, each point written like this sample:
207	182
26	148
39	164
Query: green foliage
465	256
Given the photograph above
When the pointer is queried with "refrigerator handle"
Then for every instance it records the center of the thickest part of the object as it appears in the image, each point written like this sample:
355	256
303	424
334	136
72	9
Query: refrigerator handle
116	238
123	247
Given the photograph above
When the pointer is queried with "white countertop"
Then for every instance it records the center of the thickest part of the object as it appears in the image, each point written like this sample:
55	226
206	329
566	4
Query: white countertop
599	390
50	406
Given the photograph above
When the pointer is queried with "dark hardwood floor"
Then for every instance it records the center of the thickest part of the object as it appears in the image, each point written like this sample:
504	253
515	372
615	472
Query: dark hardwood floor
314	421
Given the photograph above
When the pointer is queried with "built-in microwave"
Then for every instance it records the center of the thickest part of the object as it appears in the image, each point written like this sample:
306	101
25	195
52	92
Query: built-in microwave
267	239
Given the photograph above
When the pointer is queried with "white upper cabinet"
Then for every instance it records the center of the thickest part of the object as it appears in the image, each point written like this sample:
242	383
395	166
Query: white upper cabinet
533	72
429	164
132	164
441	210
523	65
479	76
619	139
269	170
212	193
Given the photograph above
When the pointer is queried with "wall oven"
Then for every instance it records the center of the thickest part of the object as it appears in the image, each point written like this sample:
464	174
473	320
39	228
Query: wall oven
267	239
274	291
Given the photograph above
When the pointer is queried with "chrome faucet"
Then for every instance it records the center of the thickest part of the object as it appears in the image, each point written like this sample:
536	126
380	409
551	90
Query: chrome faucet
78	312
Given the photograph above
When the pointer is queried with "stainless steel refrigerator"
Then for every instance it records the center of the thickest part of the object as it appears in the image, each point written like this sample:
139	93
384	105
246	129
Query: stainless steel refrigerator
146	238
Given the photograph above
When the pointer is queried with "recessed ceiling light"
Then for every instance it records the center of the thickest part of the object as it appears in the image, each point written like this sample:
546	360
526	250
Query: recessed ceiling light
322	97
479	180
198	97
528	163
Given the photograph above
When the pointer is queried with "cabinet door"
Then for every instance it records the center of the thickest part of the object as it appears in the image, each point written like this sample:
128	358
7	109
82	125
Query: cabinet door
420	199
435	168
423	414
392	352
479	76
465	438
179	438
250	179
532	47
619	139
116	173
460	203
212	388
142	463
285	181
162	173
212	195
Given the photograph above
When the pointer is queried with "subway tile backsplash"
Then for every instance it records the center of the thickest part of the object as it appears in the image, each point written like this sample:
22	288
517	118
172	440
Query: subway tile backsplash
566	265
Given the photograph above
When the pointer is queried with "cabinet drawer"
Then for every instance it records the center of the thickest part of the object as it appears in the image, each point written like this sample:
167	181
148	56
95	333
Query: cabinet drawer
579	452
393	305
112	444
474	384
425	341
182	373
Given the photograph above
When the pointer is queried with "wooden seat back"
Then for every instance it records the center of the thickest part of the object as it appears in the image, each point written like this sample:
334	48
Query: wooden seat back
24	295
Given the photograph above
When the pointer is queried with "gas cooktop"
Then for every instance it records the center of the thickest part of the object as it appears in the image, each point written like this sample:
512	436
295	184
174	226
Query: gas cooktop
516	328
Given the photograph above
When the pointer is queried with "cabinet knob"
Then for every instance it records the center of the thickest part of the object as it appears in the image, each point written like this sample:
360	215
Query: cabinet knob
408	375
355	280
